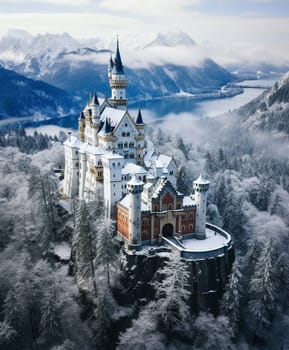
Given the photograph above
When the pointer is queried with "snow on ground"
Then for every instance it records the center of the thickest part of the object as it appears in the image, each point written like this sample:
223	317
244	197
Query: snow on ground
63	251
50	130
213	241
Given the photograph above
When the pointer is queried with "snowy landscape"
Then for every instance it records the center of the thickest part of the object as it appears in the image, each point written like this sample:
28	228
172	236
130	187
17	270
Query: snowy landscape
67	280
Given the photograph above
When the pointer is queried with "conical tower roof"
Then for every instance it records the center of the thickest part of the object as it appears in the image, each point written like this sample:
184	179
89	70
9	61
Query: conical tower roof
139	119
117	66
94	100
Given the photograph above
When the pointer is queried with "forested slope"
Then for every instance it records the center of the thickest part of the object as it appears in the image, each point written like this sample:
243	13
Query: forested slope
94	302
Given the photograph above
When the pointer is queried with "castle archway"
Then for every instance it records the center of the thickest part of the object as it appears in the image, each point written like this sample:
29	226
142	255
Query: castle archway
168	230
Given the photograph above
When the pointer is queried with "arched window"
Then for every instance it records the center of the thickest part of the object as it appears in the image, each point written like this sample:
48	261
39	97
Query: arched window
170	206
191	228
128	134
99	162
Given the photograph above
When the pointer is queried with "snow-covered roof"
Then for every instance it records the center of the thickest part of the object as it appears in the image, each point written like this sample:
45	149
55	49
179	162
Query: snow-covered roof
134	181
113	155
113	114
163	161
188	201
131	168
201	180
125	203
72	141
85	147
157	160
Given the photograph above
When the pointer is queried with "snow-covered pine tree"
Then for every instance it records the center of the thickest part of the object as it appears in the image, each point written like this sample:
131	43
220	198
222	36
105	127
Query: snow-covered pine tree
50	316
232	298
7	334
172	305
106	255
42	188
262	294
84	247
143	334
104	306
210	333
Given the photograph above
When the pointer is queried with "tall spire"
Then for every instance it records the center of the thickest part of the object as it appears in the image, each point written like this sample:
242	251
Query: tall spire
139	119
117	67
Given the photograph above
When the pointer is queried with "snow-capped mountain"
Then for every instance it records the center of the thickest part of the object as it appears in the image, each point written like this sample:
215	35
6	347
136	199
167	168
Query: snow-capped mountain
269	111
21	96
80	67
172	39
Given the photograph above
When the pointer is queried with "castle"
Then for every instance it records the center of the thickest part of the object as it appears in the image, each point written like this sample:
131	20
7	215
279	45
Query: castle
139	191
139	186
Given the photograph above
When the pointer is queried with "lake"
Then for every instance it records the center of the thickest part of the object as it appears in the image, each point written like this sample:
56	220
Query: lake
159	110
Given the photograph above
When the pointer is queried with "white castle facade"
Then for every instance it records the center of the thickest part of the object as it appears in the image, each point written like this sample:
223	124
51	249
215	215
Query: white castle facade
139	186
110	147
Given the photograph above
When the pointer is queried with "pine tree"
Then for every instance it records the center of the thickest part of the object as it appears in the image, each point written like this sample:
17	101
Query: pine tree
84	246
232	298
143	334
210	333
7	334
172	305
42	188
106	255
262	293
50	315
104	307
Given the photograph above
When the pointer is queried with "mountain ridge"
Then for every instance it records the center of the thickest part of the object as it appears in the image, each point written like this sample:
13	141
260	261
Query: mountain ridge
79	68
270	110
21	96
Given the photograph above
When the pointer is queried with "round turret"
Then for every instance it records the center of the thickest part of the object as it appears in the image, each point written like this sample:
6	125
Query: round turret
134	188
201	187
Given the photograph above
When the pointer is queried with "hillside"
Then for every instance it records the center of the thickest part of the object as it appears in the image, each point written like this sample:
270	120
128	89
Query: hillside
21	96
270	110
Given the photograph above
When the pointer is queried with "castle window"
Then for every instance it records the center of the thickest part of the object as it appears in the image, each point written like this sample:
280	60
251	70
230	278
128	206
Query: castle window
128	134
145	221
123	134
139	177
170	206
178	206
156	208
190	215
184	216
171	172
191	228
183	228
113	175
125	124
99	162
125	145
76	164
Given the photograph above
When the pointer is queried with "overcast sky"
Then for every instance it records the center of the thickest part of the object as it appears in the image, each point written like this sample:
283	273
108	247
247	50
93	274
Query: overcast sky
230	28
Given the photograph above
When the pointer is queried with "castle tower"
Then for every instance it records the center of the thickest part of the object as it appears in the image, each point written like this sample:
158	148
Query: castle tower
117	81
112	181
140	138
81	126
95	110
134	188
201	187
